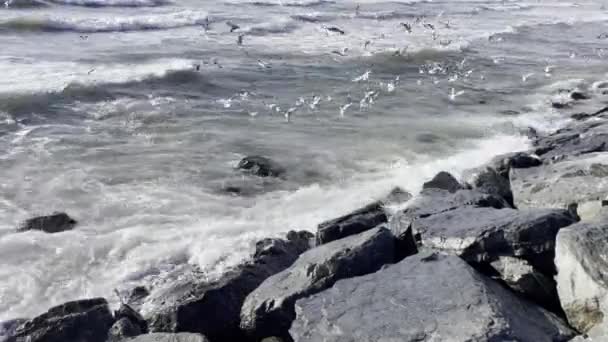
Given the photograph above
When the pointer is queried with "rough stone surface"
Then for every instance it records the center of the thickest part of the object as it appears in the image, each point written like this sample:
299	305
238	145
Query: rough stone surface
582	278
490	181
212	308
269	310
574	140
127	312
484	234
83	320
55	223
123	329
261	166
356	222
443	181
8	328
168	337
426	297
582	180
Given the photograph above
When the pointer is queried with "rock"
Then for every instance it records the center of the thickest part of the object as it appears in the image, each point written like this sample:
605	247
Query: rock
8	328
273	339
137	296
577	96
127	312
261	166
574	140
269	310
517	160
579	180
123	329
55	223
356	222
82	320
164	337
426	297
582	282
443	181
489	181
523	278
397	196
212	308
484	234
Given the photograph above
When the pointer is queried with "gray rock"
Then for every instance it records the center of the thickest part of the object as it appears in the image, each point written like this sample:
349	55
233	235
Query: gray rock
356	222
8	328
490	181
82	320
484	234
273	339
579	179
574	140
168	337
523	278
55	223
396	196
212	308
443	181
127	312
269	310
123	329
426	297
261	166
582	277
136	297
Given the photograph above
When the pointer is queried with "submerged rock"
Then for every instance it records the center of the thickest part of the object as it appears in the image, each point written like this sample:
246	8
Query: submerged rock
213	308
582	277
426	297
82	320
167	337
444	181
356	222
269	310
261	166
55	223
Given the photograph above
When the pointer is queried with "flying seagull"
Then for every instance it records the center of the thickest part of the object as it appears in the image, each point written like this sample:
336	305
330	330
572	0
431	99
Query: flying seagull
233	26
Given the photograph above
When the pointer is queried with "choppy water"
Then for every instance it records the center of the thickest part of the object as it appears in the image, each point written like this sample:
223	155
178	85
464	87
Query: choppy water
103	114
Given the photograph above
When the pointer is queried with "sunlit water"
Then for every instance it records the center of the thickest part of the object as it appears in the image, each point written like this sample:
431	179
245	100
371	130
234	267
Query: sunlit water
104	115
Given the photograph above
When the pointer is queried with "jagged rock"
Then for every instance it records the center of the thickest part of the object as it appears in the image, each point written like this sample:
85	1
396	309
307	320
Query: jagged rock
8	328
582	277
579	180
168	337
426	297
517	160
55	223
212	308
581	138
125	311
137	296
82	320
525	279
356	222
397	196
123	329
261	166
484	234
490	181
443	181
269	310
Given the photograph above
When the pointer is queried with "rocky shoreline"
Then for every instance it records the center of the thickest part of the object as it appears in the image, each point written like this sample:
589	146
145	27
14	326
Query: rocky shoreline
514	251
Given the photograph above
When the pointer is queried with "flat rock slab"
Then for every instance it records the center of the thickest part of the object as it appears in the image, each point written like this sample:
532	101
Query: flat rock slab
582	279
168	337
269	310
484	234
83	320
426	297
582	180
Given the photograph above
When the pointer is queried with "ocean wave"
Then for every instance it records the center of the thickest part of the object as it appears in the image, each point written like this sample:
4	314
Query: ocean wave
111	3
273	27
286	3
8	4
115	24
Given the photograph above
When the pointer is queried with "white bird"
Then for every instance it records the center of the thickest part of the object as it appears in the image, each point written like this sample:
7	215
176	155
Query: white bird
340	53
253	114
419	82
498	60
549	69
315	101
454	94
344	108
300	101
227	103
263	64
363	77
289	112
524	78
453	78
328	99
390	87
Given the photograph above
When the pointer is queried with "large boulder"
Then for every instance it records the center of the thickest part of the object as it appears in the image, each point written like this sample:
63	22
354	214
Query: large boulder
82	320
212	308
356	222
269	310
573	140
261	166
489	180
426	297
484	234
582	277
54	223
168	337
443	181
582	180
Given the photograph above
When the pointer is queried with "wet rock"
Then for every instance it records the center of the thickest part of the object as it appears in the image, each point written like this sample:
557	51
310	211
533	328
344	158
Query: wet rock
517	160
484	234
396	196
443	181
261	166
82	320
212	308
269	310
523	278
8	328
579	180
127	312
123	329
582	281
167	337
422	298
574	140
577	96
490	181
55	223
137	296
356	222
